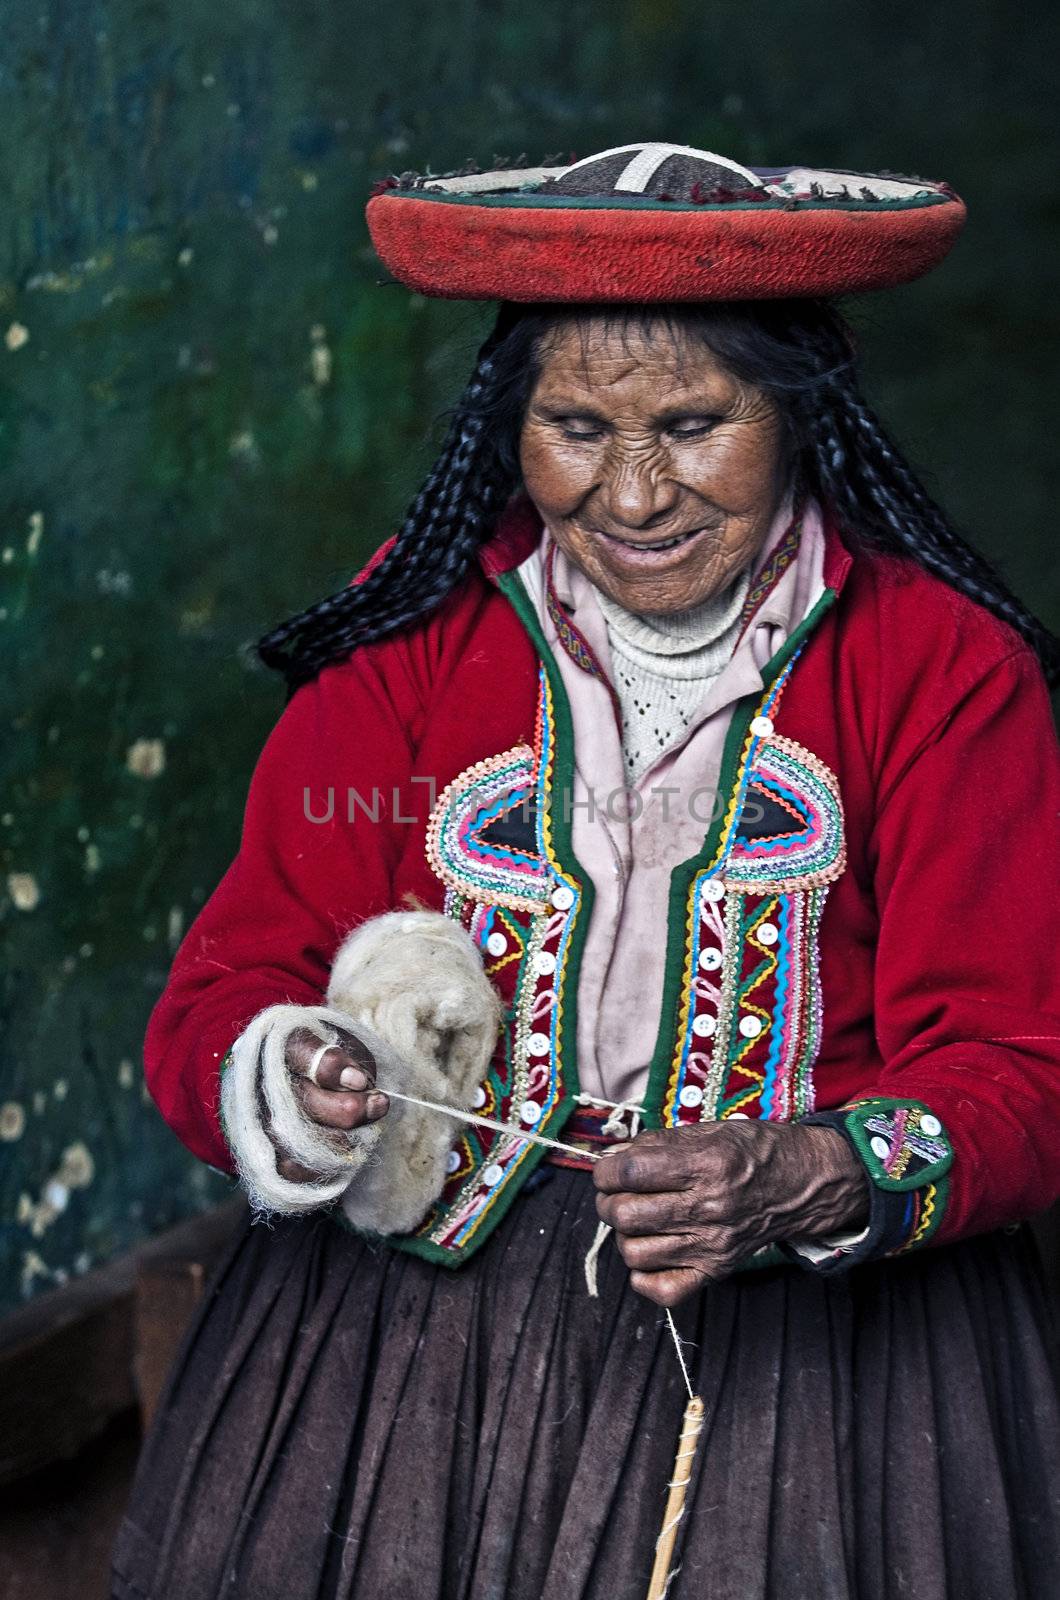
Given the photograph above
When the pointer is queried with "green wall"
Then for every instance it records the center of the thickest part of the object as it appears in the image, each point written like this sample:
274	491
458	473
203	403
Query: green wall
213	408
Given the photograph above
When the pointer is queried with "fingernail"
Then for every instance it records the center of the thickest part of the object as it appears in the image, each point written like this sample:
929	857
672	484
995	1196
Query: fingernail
353	1078
377	1104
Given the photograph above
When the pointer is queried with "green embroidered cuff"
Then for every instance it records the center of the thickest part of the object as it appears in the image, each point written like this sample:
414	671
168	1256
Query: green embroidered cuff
907	1155
903	1144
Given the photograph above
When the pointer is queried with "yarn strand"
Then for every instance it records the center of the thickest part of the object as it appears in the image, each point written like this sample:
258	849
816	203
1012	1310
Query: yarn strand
662	1571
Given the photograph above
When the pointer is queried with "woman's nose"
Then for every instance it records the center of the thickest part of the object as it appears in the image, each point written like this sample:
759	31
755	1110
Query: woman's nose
638	492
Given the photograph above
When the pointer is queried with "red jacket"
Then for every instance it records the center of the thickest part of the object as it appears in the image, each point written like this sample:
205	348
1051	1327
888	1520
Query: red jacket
937	1049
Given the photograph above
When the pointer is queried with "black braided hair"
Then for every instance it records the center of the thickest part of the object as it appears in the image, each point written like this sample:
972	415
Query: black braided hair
800	352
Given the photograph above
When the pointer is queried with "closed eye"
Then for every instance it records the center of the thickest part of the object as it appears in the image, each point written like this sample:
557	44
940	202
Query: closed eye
692	427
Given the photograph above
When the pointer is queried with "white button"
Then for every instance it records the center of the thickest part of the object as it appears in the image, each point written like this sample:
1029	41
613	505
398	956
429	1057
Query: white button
539	1044
714	890
496	944
768	933
930	1125
762	727
691	1095
750	1027
492	1174
710	960
452	1161
562	897
880	1147
478	1099
737	1116
529	1111
704	1026
544	963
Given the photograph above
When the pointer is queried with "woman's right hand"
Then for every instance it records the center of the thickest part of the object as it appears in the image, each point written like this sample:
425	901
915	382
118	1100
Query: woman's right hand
342	1097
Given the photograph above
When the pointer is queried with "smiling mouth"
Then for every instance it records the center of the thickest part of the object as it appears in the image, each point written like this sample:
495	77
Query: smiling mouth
647	547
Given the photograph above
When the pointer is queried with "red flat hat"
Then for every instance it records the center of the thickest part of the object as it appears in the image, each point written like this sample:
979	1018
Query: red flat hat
659	222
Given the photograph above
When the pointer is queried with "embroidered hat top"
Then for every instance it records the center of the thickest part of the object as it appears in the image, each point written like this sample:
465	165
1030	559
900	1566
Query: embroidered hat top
659	222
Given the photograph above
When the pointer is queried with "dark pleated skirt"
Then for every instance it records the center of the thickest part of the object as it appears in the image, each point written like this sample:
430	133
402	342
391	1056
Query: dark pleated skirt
348	1421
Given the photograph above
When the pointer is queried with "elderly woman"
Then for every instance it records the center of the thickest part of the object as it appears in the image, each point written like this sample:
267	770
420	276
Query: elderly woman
629	924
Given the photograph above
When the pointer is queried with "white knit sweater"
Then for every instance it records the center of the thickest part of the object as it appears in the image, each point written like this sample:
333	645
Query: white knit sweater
663	665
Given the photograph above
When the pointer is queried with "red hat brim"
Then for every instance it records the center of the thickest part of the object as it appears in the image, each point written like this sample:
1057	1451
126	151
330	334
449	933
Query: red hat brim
527	249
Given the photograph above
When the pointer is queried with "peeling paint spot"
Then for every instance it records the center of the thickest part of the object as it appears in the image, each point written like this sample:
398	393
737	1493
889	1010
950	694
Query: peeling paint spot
12	1121
126	1073
16	336
146	758
92	858
24	890
40	1100
77	1167
83	834
320	355
244	444
186	257
270	233
7	819
59	1088
310	181
76	1170
8	555
36	532
86	950
109	581
175	927
32	1267
97	652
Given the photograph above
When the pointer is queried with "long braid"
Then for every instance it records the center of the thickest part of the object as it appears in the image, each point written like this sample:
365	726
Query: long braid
884	506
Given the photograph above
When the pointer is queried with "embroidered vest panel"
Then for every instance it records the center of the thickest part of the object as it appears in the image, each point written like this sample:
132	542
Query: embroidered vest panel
741	1018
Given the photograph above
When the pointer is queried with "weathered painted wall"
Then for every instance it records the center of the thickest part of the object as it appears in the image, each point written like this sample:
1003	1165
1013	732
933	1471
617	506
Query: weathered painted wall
212	410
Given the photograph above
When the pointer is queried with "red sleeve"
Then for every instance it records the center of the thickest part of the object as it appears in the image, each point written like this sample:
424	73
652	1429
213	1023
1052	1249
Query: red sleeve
269	931
967	852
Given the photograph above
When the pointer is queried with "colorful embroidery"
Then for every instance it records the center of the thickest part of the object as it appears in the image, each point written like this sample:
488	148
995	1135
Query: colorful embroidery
777	564
570	637
751	1009
521	908
481	837
903	1144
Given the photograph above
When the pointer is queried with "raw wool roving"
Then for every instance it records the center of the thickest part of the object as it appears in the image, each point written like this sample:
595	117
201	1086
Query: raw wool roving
410	985
415	979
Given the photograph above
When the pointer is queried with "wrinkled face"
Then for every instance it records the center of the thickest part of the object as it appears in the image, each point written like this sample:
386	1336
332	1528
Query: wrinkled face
656	471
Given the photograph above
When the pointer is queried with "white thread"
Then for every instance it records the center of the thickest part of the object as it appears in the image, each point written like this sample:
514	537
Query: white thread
490	1122
318	1056
551	1144
680	1354
592	1255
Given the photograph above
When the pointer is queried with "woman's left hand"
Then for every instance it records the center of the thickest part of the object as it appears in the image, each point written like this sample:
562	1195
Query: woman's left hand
689	1204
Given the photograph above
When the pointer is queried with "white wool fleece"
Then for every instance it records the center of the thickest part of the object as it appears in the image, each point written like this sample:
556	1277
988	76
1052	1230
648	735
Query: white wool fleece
410	986
416	979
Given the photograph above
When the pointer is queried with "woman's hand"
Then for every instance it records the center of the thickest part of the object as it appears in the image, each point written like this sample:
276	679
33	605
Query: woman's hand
343	1096
687	1205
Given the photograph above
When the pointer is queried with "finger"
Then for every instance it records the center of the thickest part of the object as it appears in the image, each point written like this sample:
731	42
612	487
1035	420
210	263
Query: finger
294	1171
653	1163
661	1252
340	1108
667	1288
346	1065
645	1213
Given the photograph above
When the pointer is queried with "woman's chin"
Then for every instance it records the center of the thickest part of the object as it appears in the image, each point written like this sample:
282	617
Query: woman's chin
672	581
